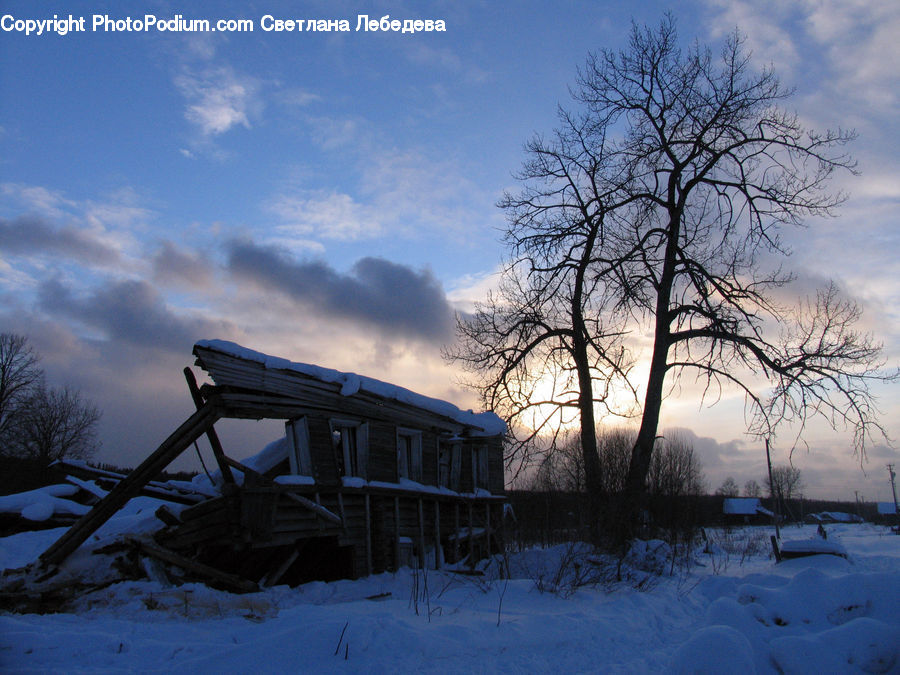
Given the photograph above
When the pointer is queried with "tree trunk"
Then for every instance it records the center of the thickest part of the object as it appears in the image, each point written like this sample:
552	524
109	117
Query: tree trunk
628	517
592	476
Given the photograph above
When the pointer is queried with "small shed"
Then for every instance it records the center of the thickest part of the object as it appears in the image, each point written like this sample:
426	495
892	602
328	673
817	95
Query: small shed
745	511
887	513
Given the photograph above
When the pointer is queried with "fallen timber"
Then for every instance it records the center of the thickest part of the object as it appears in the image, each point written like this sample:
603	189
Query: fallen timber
332	523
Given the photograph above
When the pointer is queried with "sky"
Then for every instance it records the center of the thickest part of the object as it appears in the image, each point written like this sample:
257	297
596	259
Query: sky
330	197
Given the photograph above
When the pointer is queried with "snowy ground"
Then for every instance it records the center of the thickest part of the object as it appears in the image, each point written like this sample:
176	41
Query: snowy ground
736	611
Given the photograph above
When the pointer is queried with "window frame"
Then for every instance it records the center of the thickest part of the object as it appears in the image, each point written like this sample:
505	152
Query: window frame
409	455
480	472
352	460
299	456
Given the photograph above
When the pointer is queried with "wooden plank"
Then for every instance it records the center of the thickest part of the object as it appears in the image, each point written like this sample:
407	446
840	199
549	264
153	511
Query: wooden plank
200	569
396	534
456	529
200	524
437	534
174	445
229	370
368	537
421	535
471	538
178	540
340	498
165	514
487	528
275	576
203	508
316	508
211	434
156	489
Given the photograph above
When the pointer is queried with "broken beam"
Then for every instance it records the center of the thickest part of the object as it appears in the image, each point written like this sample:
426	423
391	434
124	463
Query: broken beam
211	434
197	568
131	485
316	508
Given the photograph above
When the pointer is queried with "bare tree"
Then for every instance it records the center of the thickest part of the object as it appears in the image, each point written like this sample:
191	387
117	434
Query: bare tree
58	423
20	376
752	489
656	209
785	483
562	468
675	470
728	488
537	345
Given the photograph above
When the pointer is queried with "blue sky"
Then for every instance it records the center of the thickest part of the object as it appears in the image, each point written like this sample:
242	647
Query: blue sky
329	197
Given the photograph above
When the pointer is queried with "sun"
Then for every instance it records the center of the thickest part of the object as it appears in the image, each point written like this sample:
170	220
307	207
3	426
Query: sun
553	403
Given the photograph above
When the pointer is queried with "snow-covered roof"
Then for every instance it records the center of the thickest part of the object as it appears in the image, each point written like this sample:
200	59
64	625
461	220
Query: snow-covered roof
351	383
744	506
840	517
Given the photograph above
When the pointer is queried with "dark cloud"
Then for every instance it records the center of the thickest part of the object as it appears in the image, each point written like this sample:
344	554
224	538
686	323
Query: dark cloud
392	297
174	265
129	311
31	234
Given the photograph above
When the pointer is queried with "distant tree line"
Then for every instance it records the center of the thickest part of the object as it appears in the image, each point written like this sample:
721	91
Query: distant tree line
38	422
785	484
674	481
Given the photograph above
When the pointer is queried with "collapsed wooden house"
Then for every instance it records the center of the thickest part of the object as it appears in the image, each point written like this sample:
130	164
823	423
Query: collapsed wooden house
368	476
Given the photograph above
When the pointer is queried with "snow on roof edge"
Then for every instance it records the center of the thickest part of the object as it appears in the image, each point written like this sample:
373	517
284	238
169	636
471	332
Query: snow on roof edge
488	422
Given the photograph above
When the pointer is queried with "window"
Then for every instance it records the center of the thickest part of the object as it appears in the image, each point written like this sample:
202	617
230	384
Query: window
480	467
448	465
350	440
409	454
297	432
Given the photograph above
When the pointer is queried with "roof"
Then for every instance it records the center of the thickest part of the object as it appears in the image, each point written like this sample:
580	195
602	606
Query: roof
350	384
744	506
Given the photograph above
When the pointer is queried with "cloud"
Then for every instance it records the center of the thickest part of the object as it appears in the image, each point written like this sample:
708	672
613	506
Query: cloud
404	194
444	59
765	26
849	45
394	298
37	199
331	215
860	38
173	265
297	97
128	311
34	235
219	99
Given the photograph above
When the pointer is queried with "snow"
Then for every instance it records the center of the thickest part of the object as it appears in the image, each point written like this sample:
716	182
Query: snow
834	517
268	458
295	480
351	383
744	506
731	609
814	545
42	504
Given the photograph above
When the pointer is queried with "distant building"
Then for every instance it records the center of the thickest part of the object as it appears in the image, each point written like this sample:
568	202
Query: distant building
887	513
831	517
745	511
367	477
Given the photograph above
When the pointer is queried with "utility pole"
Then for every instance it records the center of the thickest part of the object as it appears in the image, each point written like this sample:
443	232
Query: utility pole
772	490
894	492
